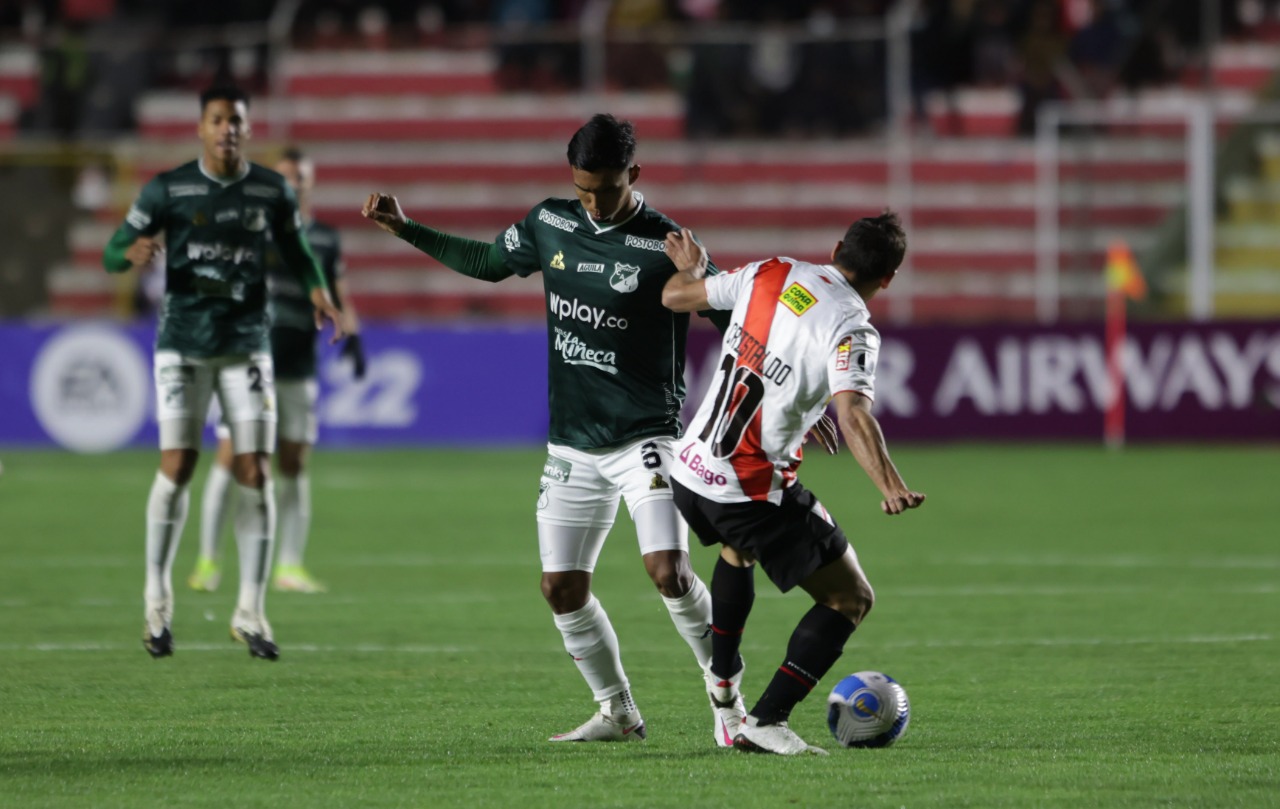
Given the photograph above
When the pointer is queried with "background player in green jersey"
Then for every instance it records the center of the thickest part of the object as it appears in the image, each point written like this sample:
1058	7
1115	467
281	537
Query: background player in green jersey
216	213
293	353
616	384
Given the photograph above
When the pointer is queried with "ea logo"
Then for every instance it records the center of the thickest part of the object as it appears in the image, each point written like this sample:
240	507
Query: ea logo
89	388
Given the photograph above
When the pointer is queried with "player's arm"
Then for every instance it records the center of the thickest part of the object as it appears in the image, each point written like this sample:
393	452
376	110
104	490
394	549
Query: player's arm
686	290
342	297
469	257
353	346
296	253
134	244
866	441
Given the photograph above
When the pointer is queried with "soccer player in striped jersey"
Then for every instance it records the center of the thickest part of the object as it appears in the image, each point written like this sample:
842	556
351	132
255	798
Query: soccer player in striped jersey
616	384
216	213
799	337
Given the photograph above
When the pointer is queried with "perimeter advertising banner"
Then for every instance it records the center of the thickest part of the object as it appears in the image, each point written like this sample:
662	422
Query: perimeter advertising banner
88	386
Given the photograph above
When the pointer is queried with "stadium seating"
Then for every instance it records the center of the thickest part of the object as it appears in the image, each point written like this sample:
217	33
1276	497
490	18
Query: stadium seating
434	130
19	85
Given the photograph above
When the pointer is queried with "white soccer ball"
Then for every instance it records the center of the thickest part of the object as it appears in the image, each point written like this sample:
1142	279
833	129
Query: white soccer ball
868	709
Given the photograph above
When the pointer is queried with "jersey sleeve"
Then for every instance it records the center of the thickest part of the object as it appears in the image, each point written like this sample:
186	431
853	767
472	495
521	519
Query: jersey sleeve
725	288
519	246
145	214
145	218
851	365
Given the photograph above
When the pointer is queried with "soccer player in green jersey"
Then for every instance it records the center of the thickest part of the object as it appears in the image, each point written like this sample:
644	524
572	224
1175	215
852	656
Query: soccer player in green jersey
293	353
216	213
616	384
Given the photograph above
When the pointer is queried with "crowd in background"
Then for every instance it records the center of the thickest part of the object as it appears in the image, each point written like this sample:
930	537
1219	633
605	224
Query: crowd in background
798	72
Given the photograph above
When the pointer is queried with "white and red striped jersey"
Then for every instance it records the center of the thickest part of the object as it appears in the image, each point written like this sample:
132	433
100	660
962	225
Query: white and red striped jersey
799	334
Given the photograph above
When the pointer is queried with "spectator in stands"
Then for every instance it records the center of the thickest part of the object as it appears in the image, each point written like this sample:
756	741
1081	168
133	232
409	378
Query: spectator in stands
1098	48
941	50
525	64
1041	51
992	43
715	105
64	76
639	63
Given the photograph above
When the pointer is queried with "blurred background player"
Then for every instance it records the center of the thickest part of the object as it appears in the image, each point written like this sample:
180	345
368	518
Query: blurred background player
800	336
293	353
216	213
616	384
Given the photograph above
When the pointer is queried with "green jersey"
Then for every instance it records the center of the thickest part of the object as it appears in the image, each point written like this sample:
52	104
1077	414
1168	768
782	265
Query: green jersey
216	238
616	354
293	325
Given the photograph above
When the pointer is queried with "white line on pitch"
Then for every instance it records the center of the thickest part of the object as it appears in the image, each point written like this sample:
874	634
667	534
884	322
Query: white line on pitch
520	560
1120	561
369	648
972	591
992	642
360	648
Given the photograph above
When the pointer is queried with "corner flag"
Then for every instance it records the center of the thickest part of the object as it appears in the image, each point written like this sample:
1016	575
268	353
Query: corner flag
1123	275
1124	283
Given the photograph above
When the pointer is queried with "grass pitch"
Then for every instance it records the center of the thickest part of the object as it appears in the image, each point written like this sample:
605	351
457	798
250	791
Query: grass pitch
1074	628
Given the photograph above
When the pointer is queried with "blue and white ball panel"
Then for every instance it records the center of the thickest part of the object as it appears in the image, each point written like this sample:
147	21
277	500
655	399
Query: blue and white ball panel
868	709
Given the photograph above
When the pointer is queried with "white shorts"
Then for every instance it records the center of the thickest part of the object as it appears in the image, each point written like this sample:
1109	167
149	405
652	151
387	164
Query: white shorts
582	487
296	404
245	392
578	501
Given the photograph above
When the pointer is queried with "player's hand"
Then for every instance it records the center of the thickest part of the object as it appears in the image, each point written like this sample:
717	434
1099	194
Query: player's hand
142	251
685	252
824	432
385	212
901	501
353	349
325	310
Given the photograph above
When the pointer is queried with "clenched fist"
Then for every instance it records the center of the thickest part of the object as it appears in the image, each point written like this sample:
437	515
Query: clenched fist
142	251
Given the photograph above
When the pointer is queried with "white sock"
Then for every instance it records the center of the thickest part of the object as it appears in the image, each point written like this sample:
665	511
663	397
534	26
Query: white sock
589	638
215	507
255	532
691	613
166	514
293	504
620	705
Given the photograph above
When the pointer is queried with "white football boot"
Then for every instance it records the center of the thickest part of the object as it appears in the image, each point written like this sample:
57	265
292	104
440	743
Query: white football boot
727	706
779	739
602	728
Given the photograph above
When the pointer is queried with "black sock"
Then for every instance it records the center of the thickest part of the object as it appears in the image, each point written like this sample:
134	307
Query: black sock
814	648
733	591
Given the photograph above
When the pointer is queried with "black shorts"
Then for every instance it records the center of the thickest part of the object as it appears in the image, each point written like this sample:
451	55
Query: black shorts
792	540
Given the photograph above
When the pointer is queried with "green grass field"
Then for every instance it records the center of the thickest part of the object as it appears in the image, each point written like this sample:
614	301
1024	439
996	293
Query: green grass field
1075	628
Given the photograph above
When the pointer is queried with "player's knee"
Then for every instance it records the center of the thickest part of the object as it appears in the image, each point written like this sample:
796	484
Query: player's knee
565	594
179	465
291	466
291	458
250	470
670	573
856	603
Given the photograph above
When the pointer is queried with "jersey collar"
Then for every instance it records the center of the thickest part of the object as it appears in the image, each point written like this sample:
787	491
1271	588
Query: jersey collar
834	270
220	180
635	195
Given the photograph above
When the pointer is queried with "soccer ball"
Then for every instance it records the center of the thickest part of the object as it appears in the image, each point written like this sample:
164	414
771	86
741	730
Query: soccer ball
868	709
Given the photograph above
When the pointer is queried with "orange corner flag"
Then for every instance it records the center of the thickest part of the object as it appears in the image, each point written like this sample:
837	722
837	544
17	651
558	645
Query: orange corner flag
1122	272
